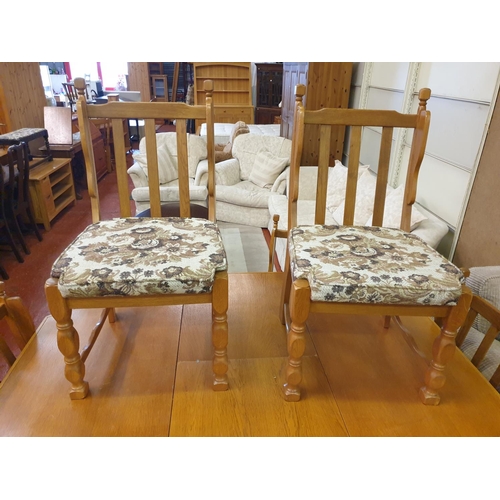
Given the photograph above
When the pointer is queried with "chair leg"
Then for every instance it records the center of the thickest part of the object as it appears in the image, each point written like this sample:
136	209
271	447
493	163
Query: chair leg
68	340
220	331
20	236
300	301
12	243
443	349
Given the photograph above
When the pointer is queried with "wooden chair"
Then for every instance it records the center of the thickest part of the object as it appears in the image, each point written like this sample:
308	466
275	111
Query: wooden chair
482	348
129	262
350	269
18	204
19	321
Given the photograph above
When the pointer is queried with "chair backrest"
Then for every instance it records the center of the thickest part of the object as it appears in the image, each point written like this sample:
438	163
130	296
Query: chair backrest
18	177
486	349
120	112
356	120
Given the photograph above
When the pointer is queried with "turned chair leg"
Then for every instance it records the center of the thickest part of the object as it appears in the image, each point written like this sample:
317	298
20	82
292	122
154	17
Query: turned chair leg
220	332
300	301
68	341
443	350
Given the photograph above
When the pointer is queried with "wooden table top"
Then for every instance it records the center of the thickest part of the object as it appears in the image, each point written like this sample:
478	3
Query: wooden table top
150	375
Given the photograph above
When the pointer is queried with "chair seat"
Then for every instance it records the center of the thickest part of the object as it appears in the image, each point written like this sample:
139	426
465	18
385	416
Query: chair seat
176	256
369	265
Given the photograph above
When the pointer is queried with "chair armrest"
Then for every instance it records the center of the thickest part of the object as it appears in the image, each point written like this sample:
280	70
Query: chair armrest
137	175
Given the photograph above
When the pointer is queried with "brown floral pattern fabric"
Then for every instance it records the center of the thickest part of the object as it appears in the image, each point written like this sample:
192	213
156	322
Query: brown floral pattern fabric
371	265
139	256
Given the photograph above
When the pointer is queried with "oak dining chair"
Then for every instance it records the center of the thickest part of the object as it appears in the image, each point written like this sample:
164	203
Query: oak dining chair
366	268
141	261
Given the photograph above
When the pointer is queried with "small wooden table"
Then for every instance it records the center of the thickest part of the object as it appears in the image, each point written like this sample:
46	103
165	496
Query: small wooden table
51	189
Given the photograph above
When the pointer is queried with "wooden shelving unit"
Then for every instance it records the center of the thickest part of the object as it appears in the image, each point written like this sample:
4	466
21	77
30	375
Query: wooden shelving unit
232	94
51	189
328	85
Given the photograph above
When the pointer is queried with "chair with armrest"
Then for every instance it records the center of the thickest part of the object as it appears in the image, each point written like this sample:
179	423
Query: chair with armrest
479	337
365	269
141	261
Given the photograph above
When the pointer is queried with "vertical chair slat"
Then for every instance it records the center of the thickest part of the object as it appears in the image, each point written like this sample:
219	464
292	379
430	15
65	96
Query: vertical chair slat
352	175
382	176
121	166
88	156
183	170
323	160
153	174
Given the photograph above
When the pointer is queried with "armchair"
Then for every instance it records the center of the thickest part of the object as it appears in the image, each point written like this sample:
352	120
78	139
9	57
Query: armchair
168	171
247	181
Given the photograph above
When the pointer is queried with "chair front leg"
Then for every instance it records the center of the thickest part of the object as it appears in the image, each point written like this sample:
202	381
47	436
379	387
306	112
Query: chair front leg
68	341
443	349
220	331
300	301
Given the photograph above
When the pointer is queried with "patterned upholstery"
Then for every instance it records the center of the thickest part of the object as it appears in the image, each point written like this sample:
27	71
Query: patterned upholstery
23	134
338	262
176	255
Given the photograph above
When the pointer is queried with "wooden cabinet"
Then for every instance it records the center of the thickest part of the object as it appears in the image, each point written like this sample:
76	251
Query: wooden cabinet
232	94
328	85
268	89
51	189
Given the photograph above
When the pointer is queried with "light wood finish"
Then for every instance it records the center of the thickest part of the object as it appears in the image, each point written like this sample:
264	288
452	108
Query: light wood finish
17	316
51	189
296	295
140	386
62	308
328	85
138	79
232	90
484	308
22	98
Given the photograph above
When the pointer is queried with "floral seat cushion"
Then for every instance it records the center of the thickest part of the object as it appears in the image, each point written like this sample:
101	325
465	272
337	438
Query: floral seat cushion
371	265
138	256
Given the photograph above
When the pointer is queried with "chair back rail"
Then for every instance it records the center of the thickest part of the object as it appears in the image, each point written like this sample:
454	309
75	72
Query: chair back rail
148	112
481	307
357	120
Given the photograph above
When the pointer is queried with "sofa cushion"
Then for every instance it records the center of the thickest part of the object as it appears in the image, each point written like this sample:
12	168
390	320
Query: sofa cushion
166	147
365	196
393	208
167	167
244	193
266	168
337	181
246	147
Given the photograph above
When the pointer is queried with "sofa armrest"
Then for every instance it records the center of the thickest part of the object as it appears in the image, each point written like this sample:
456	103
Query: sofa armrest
227	172
281	183
307	182
137	175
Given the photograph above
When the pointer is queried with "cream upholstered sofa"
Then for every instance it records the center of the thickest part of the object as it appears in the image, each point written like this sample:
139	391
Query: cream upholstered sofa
167	166
245	182
424	224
